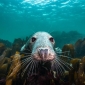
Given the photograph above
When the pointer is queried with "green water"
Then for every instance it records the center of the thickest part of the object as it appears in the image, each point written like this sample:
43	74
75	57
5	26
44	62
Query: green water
20	18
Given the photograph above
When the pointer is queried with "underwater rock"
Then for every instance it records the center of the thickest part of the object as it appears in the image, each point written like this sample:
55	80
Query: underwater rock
6	42
63	38
2	48
68	50
8	52
80	48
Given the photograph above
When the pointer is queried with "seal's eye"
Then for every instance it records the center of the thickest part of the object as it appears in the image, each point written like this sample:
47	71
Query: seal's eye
51	39
33	39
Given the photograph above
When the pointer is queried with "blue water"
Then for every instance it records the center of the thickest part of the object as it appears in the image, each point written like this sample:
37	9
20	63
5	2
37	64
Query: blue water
20	18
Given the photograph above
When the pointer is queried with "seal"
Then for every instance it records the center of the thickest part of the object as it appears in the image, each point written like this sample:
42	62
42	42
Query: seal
40	63
41	52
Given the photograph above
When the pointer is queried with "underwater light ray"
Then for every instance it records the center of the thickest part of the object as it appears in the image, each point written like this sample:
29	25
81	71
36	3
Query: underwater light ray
39	2
68	1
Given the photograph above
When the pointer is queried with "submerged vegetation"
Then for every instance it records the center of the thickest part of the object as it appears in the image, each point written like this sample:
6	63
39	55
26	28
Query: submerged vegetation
10	56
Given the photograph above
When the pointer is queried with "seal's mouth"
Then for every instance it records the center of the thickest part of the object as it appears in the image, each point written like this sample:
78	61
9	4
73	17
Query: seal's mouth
43	54
43	57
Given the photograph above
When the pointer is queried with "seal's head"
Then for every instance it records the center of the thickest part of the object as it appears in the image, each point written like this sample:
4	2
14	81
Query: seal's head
42	57
42	46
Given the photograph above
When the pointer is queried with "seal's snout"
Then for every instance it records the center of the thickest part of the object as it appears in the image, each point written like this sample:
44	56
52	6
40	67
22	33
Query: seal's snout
43	53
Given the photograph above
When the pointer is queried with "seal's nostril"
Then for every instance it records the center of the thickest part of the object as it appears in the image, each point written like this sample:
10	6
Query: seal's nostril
46	51
43	52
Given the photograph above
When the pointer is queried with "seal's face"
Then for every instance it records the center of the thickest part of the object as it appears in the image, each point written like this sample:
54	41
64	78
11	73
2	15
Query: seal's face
42	46
42	58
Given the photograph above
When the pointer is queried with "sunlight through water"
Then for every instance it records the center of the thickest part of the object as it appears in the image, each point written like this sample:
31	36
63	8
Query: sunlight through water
39	2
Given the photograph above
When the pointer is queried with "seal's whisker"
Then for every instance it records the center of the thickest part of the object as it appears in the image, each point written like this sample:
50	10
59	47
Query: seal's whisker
25	61
52	65
36	64
30	71
35	67
23	72
56	66
32	68
63	61
65	56
61	67
65	64
19	64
